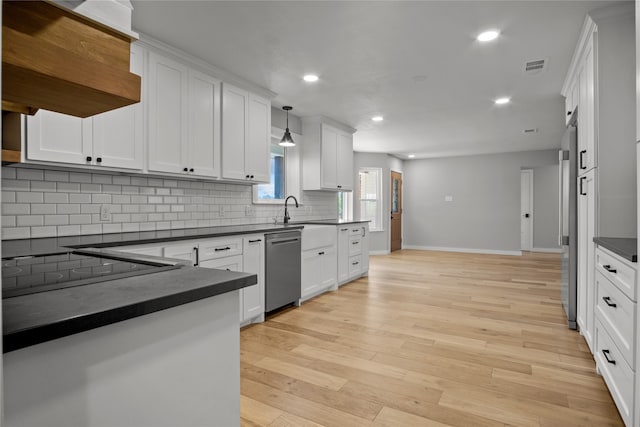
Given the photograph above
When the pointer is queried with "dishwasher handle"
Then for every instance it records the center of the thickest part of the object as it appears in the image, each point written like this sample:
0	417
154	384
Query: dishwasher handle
278	242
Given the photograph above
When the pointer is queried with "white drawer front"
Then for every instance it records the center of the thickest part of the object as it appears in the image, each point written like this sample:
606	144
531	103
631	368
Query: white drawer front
614	268
355	245
355	230
618	375
618	315
220	248
355	265
232	263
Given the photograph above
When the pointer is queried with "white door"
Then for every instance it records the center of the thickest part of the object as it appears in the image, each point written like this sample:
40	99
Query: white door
257	156
167	86
328	152
56	137
204	125
253	260
234	130
117	134
344	161
526	210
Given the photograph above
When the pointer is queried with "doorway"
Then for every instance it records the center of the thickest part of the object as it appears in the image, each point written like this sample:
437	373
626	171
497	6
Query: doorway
526	209
396	211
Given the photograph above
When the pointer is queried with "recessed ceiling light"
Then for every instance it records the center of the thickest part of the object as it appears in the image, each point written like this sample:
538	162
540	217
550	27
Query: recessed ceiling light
411	156
487	36
377	118
310	78
501	101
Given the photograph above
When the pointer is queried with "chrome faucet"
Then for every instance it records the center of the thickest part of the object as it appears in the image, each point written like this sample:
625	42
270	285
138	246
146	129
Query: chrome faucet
286	211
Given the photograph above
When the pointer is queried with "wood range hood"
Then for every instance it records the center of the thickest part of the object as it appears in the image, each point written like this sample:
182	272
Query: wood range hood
59	60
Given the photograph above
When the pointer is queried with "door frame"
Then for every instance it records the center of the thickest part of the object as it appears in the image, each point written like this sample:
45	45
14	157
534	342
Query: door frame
399	207
530	173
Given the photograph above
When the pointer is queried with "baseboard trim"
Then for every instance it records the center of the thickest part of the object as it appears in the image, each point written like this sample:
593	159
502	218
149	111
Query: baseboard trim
465	250
384	252
548	250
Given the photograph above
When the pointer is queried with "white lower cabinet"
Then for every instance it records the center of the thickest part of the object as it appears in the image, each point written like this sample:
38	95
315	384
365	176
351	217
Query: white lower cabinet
353	251
586	253
319	260
615	329
233	253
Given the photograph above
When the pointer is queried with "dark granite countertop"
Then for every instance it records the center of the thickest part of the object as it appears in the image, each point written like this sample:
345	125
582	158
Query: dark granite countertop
24	247
627	248
328	222
32	319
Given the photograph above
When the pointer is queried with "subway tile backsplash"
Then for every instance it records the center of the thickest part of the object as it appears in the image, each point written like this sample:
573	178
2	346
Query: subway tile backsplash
48	203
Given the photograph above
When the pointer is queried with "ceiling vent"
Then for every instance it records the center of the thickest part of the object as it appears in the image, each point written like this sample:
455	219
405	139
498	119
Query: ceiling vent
535	67
530	130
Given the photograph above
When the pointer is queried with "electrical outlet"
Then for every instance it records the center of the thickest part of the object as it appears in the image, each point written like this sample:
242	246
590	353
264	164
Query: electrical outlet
221	211
105	212
249	210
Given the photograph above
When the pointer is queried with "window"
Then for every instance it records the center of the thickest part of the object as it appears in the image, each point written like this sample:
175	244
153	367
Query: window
370	197
275	190
345	205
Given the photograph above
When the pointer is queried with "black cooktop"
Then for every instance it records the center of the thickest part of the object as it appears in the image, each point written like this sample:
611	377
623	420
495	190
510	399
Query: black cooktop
32	274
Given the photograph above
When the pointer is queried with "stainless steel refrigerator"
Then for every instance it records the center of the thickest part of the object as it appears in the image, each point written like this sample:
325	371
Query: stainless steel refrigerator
568	219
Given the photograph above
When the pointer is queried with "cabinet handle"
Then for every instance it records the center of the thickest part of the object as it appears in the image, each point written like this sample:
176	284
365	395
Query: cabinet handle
88	158
251	176
355	263
321	253
355	229
255	241
186	169
197	255
607	301
582	166
581	181
191	170
568	113
99	160
344	229
339	186
609	269
606	356
246	176
222	249
354	243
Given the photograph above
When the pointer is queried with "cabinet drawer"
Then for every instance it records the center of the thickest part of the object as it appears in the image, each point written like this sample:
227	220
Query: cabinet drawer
616	373
616	270
355	230
232	263
355	265
617	313
220	248
181	251
355	245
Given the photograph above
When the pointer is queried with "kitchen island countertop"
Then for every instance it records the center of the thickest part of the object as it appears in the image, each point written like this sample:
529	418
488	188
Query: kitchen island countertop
627	248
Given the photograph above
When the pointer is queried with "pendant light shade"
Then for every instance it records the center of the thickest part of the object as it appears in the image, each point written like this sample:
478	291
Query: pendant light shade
287	140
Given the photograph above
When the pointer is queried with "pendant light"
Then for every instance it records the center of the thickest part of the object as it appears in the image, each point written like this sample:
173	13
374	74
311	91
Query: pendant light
286	140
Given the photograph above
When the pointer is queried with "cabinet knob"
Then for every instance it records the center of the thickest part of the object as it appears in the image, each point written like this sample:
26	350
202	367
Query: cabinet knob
99	160
568	113
186	169
339	186
191	170
251	176
88	158
246	176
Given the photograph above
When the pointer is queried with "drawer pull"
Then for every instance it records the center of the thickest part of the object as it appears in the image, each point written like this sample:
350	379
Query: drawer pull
606	356
255	241
582	166
355	263
609	269
344	229
222	249
321	253
355	230
607	301
354	243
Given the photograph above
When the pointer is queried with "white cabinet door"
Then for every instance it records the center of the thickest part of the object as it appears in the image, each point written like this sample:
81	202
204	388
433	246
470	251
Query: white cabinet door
58	137
185	251
235	106
258	143
117	134
344	161
329	267
328	152
590	116
343	254
312	265
253	260
365	247
167	86
204	125
586	251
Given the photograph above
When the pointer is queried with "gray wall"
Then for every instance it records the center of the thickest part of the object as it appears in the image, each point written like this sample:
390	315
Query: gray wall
485	211
279	120
378	241
545	207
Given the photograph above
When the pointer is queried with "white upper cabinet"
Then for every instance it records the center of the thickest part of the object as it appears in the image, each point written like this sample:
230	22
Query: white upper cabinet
204	125
113	139
327	156
246	127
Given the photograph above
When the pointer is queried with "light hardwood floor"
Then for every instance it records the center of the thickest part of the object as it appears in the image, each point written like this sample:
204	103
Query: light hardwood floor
428	339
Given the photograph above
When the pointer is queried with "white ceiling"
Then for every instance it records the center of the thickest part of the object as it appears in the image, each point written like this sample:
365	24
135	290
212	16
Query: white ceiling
416	63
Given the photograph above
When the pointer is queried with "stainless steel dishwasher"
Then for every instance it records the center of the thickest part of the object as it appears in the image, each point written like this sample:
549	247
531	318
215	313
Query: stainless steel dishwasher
282	269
